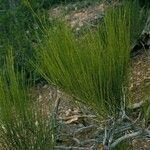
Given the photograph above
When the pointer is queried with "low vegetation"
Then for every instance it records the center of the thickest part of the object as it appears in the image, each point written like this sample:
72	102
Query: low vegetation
22	123
92	68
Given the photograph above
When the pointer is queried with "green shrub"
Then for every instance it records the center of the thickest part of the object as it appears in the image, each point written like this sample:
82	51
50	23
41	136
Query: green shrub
94	68
23	124
138	17
19	27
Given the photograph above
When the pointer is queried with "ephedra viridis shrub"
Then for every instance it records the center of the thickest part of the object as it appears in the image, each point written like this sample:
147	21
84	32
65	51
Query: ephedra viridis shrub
93	68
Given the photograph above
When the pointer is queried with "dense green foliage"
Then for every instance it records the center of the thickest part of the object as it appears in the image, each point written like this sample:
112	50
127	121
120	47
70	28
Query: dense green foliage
138	17
19	27
94	68
23	124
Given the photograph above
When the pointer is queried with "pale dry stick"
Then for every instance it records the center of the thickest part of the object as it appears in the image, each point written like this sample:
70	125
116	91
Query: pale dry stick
111	133
84	129
70	148
79	116
57	102
105	136
129	136
123	129
89	141
138	118
125	137
76	140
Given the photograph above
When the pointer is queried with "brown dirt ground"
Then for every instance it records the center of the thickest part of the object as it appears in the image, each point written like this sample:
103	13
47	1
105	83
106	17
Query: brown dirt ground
140	76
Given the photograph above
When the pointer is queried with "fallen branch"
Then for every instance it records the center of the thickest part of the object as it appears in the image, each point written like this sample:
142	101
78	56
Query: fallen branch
145	133
70	148
79	116
85	129
127	136
76	140
136	105
89	141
